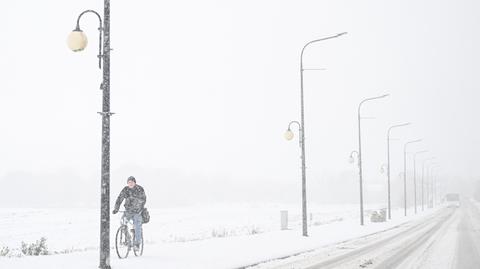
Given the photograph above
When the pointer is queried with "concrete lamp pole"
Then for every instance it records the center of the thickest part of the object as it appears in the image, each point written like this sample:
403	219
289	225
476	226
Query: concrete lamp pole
360	173
302	133
430	179
415	175
434	179
405	173
423	176
388	165
77	41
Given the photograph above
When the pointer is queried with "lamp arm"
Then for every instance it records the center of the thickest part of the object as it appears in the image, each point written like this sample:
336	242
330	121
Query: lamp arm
100	30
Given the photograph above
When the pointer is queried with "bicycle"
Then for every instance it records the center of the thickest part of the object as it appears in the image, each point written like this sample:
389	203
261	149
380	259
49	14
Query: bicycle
125	237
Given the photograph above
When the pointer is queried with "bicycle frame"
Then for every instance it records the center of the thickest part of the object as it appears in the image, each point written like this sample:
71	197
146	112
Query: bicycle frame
128	227
124	220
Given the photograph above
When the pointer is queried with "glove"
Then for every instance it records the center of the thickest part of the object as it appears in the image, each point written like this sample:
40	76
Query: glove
115	211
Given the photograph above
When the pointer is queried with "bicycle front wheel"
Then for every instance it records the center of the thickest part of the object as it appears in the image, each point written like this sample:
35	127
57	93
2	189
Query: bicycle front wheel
123	242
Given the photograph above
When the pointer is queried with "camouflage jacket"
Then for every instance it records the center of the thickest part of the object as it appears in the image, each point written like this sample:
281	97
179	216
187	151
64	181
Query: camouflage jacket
135	199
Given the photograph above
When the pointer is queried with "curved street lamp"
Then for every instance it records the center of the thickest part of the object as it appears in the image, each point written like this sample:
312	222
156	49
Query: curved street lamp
289	134
415	175
388	165
302	133
360	151
353	154
77	41
405	172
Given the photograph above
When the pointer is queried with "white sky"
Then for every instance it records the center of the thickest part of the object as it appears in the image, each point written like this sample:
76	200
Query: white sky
204	90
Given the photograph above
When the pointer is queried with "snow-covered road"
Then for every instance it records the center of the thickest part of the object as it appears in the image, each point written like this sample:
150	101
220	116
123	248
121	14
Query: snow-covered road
448	239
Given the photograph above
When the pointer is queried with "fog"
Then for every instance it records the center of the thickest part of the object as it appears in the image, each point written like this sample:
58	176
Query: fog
204	90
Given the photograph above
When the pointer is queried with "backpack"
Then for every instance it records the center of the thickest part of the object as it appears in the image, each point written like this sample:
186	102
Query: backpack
145	215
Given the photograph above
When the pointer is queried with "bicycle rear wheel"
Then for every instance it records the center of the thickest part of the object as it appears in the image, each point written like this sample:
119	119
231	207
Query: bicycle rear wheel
139	252
123	242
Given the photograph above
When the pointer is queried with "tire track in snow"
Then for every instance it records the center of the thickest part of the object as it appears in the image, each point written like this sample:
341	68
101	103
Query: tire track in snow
407	241
349	253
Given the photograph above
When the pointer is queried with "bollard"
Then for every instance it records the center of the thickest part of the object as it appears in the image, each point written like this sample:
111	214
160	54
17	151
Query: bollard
284	220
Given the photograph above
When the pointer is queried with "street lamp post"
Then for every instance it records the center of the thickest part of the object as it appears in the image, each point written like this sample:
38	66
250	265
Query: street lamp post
360	173
423	175
405	173
434	180
77	41
431	185
415	175
302	134
388	165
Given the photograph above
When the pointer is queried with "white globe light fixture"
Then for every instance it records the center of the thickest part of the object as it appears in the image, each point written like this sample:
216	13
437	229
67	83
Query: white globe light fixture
289	135
77	40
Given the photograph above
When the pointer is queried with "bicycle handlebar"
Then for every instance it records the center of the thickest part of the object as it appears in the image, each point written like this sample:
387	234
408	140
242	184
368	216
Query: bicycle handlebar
123	211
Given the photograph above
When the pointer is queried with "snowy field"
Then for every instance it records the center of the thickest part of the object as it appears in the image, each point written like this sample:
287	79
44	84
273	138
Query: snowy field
190	237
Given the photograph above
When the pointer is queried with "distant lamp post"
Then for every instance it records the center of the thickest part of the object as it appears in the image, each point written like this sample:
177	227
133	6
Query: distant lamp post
360	174
302	133
388	165
405	173
289	135
77	41
431	179
423	176
415	175
434	180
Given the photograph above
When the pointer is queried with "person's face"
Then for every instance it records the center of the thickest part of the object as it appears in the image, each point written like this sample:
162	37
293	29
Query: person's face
131	184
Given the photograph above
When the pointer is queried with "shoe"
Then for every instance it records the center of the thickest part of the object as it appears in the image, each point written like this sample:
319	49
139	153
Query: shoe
136	247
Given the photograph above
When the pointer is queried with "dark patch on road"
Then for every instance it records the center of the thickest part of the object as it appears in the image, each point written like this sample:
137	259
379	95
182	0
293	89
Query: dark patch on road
366	263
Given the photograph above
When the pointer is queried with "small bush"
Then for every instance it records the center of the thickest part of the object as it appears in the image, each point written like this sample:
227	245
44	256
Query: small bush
219	233
35	249
4	251
254	230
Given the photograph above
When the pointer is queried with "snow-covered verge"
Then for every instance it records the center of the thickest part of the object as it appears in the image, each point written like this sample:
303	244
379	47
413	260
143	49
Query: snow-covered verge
195	237
475	202
77	229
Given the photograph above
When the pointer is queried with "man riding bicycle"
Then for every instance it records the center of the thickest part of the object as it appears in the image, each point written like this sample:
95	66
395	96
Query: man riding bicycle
135	200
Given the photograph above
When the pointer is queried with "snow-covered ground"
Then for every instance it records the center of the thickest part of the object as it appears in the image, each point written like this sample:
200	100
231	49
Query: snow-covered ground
189	237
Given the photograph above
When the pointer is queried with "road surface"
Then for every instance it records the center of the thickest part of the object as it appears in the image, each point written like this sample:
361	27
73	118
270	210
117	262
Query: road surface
449	238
